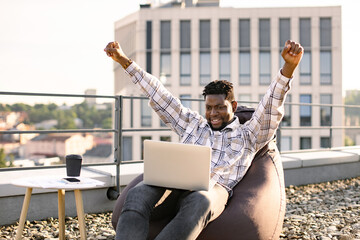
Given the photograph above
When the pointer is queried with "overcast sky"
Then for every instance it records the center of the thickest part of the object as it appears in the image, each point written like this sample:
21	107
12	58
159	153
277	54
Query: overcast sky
56	46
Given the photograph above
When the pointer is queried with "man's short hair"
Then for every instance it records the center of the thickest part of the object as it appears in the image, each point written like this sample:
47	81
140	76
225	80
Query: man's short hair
222	87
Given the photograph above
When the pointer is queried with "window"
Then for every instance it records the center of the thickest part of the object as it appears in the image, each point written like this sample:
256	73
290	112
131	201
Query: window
244	99
244	68
185	69
325	112
325	51
186	103
264	54
244	53
165	46
185	53
286	143
224	65
165	138
286	121
325	32
305	39
224	47
265	68
205	34
284	35
205	65
145	113
201	106
325	142
305	111
305	69
325	67
305	142
148	46
205	55
264	33
143	138
127	148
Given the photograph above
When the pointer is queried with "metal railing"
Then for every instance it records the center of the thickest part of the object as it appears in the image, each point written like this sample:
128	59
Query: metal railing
119	129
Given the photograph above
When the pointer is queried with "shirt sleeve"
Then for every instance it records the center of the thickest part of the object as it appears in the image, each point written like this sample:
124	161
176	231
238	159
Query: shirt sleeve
261	128
169	108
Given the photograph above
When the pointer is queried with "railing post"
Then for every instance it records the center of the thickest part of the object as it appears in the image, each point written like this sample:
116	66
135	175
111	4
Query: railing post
331	129
118	139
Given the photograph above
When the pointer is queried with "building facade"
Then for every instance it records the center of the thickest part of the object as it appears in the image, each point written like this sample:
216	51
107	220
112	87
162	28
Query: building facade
186	45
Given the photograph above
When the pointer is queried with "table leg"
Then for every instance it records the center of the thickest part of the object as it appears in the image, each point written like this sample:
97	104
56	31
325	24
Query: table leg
23	214
80	213
61	210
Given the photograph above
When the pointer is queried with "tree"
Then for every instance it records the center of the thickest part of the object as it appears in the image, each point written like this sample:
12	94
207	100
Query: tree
2	158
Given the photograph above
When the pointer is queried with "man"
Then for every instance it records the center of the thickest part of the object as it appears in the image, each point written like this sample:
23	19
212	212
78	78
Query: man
233	146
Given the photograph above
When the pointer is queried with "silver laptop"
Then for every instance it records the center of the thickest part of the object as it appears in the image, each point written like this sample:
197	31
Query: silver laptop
177	165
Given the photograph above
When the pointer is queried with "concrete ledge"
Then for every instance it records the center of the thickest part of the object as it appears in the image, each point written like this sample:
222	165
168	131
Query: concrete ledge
308	159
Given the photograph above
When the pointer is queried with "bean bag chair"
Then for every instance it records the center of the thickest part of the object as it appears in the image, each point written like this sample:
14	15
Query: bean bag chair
255	211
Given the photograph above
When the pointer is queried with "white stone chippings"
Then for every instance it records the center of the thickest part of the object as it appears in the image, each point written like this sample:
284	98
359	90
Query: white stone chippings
325	211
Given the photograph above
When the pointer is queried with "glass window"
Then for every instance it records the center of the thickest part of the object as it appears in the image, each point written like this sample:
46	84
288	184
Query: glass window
205	65
325	32
145	113
305	142
244	33
143	138
202	106
284	31
224	34
185	103
325	142
224	65
305	69
286	121
305	32
165	35
185	37
264	33
265	68
165	64
148	46
165	138
244	99
205	34
148	35
325	112
127	148
244	68
305	111
284	35
165	45
185	69
286	143
325	67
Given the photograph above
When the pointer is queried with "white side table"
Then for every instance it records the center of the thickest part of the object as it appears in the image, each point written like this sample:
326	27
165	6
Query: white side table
56	182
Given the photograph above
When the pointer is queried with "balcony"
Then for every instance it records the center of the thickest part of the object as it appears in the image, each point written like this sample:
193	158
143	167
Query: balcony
301	166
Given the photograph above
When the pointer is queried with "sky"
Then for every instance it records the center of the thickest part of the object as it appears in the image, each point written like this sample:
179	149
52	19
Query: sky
56	46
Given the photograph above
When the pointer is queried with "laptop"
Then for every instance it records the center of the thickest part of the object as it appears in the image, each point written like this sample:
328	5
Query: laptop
177	165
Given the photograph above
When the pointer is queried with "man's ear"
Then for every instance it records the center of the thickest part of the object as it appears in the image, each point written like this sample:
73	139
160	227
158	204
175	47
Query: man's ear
234	105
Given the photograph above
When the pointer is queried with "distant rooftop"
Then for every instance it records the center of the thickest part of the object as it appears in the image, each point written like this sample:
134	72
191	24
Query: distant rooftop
180	3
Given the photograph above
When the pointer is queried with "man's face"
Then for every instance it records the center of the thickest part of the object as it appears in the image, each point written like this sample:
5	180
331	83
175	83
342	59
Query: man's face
218	111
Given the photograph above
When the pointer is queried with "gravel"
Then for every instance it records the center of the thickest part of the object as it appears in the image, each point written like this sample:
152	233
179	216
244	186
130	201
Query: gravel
325	211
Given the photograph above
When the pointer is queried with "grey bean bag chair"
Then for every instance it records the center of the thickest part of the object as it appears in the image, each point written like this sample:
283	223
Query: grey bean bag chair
255	211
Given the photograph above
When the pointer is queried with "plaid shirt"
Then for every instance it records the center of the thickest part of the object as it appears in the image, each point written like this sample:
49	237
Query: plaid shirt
233	147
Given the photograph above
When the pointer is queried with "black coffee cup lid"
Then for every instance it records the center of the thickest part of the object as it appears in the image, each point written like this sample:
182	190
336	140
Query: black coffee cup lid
74	156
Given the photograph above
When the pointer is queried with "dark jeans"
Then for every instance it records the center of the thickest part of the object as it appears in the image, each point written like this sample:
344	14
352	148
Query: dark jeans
192	211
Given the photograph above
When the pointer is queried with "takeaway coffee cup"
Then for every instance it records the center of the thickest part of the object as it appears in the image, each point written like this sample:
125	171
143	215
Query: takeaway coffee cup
73	165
